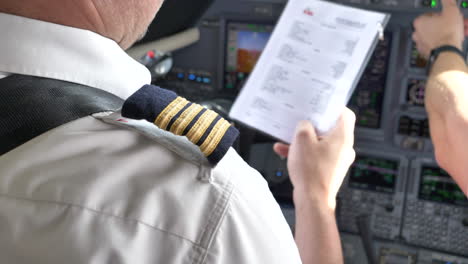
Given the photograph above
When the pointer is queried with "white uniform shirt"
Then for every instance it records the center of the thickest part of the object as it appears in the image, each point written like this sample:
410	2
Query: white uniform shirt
94	192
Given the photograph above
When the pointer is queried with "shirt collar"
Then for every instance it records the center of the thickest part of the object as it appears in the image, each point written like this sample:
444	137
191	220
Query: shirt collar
38	48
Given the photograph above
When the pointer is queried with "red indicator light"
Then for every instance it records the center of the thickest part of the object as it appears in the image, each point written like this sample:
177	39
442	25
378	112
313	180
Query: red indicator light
151	54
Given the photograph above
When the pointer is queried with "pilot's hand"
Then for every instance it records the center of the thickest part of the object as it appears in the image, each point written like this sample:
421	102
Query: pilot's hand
437	29
318	165
466	27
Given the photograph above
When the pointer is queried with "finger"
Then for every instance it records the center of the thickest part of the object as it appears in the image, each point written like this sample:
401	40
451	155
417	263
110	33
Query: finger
424	51
419	48
415	37
305	133
281	149
466	27
449	6
415	24
344	131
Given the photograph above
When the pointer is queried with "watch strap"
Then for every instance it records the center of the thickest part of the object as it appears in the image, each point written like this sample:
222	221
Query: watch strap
437	51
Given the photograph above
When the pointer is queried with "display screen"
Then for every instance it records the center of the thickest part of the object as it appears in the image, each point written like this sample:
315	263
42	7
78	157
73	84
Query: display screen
374	174
368	98
417	60
245	43
437	185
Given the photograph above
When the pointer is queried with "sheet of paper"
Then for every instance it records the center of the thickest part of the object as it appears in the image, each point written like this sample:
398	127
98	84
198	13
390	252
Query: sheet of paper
308	68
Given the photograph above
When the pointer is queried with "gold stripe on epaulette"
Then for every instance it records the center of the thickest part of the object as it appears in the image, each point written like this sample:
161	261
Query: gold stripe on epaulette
200	127
164	112
185	119
214	138
170	111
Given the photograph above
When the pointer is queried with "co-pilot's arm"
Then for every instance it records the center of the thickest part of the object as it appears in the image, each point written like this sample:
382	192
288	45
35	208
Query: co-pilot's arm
447	89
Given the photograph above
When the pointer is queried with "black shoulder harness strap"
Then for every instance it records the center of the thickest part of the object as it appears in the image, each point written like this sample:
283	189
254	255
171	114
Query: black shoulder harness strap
31	106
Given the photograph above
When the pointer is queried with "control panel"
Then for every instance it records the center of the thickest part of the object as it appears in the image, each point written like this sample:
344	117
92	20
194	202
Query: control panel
436	213
374	187
368	99
390	253
412	132
195	85
402	5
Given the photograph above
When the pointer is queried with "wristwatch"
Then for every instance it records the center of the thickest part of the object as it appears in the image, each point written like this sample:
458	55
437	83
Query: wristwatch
436	52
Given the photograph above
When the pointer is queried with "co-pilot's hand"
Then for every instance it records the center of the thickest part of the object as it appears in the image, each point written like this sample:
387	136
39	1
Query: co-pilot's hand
466	27
437	29
318	166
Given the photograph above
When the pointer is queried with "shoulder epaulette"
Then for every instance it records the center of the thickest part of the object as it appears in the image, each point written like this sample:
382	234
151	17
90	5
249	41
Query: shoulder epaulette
205	128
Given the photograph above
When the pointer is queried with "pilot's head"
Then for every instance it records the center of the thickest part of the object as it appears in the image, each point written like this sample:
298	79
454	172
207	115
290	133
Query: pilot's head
124	21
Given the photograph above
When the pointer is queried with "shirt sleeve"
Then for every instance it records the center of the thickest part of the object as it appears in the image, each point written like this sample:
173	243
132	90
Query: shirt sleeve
254	229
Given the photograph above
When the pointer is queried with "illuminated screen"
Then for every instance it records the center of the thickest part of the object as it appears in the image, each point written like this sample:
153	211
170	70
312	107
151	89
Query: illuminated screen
437	185
374	174
245	43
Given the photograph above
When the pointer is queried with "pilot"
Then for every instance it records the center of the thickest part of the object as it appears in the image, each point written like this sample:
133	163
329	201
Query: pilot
440	37
104	186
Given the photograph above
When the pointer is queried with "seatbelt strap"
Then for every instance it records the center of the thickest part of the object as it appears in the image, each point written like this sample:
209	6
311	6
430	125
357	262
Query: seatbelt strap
31	106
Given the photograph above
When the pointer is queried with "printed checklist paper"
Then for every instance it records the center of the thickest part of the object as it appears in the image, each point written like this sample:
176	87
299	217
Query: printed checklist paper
309	68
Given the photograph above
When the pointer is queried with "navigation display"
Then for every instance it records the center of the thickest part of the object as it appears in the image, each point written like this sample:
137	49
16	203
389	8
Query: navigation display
374	174
245	43
437	185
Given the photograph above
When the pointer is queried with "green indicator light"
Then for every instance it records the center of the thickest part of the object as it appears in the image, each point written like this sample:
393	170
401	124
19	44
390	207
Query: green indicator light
434	3
464	4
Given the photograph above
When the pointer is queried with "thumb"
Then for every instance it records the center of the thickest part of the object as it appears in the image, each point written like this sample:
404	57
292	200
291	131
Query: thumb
449	6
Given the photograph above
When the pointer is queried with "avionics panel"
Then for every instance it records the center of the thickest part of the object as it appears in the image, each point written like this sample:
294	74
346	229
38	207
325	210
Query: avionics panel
391	253
436	185
412	132
402	5
368	99
373	174
244	45
436	213
373	188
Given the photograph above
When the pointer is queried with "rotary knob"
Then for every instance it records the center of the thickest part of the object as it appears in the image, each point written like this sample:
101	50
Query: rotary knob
417	93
